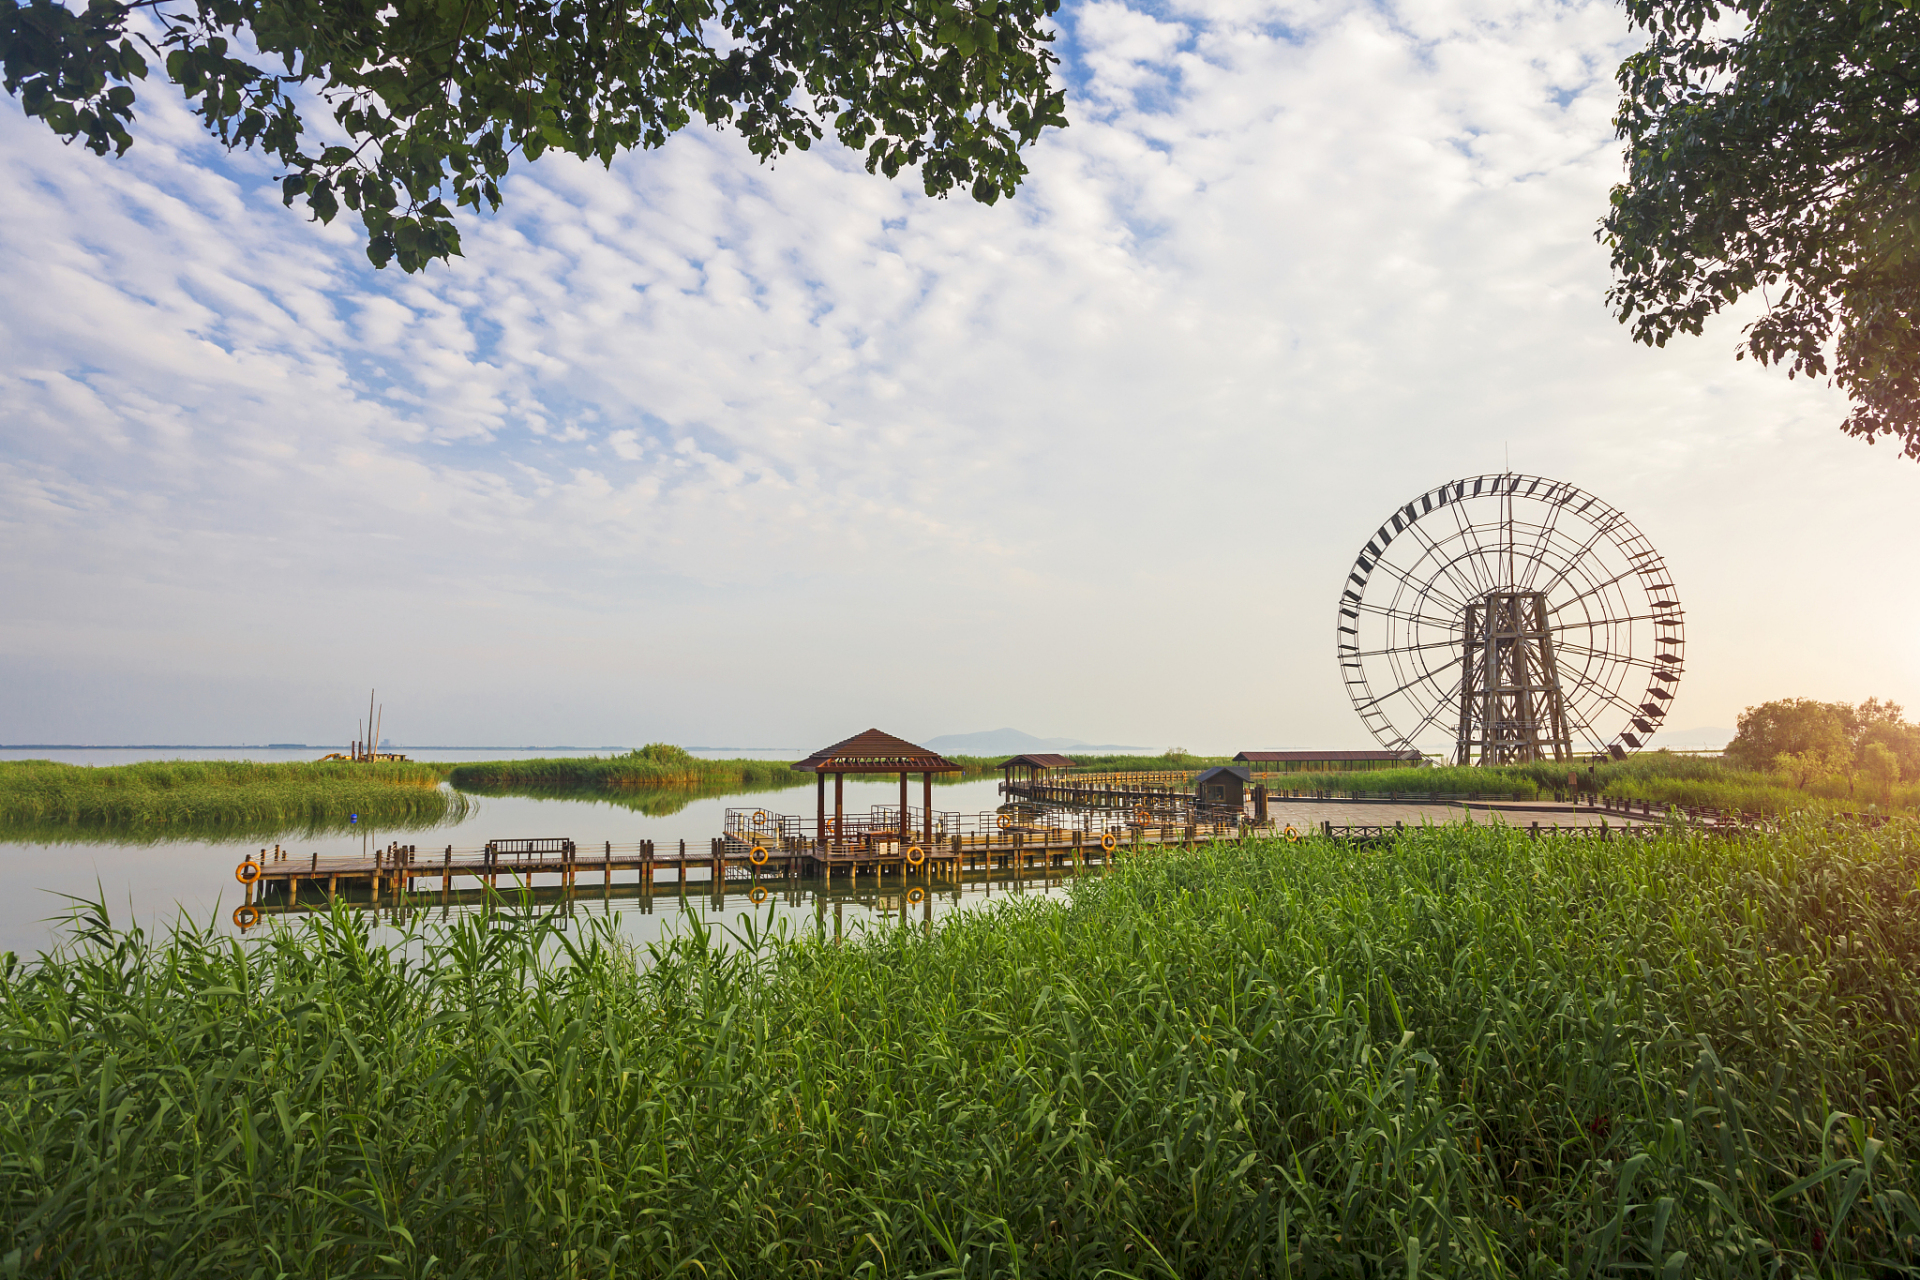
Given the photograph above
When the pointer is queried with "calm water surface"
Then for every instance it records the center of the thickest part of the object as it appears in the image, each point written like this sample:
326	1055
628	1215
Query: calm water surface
154	884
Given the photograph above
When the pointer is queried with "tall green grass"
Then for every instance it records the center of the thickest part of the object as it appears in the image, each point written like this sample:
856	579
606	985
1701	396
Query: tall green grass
654	802
656	766
1467	1054
1442	779
1658	777
175	799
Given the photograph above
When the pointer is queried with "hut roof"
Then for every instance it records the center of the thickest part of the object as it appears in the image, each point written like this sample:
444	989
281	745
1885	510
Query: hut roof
875	752
1278	757
1217	770
1038	762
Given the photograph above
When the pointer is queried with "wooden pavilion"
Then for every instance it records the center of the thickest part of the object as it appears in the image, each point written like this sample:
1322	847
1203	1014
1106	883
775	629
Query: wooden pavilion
1031	768
873	752
1328	761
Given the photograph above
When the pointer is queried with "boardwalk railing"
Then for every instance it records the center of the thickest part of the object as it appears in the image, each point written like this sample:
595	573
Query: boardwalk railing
1163	779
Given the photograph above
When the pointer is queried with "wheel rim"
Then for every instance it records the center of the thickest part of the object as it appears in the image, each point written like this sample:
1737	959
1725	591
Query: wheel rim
1617	625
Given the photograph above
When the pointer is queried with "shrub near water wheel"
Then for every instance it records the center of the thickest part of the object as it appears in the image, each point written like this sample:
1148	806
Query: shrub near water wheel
1469	1053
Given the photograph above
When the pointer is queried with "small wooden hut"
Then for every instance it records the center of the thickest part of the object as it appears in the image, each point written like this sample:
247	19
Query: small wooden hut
1032	768
1226	785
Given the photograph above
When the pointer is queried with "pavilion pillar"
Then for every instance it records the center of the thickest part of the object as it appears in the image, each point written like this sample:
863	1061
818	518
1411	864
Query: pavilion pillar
839	809
926	806
820	809
906	826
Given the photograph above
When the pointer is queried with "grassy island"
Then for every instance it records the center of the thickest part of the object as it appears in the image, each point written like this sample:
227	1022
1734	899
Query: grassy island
183	799
657	766
1468	1054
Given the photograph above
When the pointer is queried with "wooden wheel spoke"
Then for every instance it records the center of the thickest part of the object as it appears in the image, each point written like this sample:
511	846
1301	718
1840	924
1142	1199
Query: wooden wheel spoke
1561	661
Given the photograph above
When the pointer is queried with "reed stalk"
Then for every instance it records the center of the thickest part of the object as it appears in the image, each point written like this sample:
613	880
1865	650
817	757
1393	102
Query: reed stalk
1466	1054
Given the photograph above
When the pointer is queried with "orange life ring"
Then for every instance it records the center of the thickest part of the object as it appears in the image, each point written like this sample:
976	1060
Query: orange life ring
916	895
1005	820
760	818
828	829
1293	837
1143	815
1108	842
758	896
246	916
915	856
247	872
758	857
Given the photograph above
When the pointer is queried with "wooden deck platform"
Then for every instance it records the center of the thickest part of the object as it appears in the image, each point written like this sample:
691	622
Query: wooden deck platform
410	870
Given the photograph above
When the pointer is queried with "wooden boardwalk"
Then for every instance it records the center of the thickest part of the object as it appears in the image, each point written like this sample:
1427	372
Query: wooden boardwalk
765	851
408	870
1154	793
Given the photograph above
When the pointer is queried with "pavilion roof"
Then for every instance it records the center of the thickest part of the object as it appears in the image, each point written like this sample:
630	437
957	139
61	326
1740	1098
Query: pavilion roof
1037	762
875	752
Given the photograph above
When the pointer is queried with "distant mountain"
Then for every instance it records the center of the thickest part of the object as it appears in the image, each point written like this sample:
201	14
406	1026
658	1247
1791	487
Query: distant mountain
1012	742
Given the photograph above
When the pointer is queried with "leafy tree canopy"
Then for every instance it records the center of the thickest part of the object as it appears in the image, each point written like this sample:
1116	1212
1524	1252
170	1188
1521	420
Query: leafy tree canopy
1773	146
1827	735
405	110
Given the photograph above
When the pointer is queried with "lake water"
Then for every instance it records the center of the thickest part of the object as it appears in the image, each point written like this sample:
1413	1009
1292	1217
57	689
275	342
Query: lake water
153	884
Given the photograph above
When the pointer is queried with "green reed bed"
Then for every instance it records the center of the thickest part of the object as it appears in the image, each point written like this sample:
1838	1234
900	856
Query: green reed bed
1442	779
1658	777
1467	1054
172	799
654	802
658	765
1767	793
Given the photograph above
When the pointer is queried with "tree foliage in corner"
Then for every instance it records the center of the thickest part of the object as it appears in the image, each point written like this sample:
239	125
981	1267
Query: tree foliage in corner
431	100
1775	146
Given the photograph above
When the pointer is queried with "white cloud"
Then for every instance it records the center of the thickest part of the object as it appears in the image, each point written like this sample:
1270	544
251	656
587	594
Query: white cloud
700	449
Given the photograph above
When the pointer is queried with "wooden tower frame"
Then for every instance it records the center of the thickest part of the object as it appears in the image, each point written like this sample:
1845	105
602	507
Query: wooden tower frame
1512	709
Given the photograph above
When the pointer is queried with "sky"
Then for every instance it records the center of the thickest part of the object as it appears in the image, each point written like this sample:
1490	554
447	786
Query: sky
700	450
